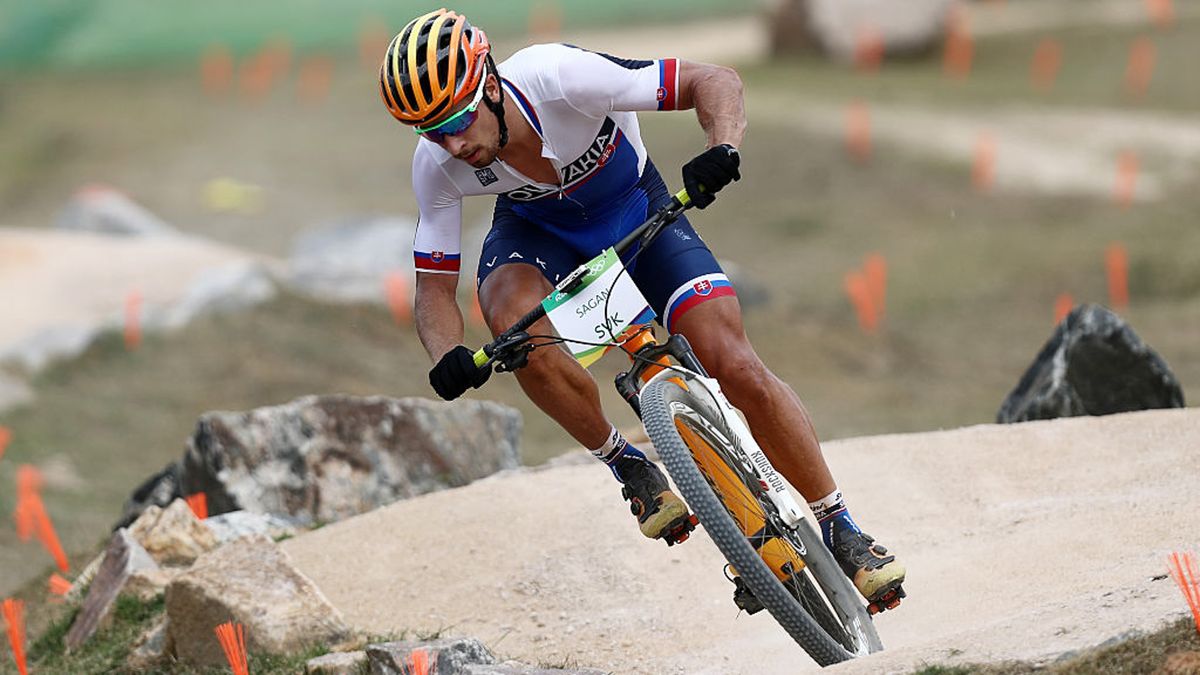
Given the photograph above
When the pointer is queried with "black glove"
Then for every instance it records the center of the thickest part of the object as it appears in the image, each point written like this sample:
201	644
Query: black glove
457	371
713	169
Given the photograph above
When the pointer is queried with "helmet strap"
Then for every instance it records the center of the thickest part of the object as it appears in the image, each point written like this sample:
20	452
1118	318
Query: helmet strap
497	107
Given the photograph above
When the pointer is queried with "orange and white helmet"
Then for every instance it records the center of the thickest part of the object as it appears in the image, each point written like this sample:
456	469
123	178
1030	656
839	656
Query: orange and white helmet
433	63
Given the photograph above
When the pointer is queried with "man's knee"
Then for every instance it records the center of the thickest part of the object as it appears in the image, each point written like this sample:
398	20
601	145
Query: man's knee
508	293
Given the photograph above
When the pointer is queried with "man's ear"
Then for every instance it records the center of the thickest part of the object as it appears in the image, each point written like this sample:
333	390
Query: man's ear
491	87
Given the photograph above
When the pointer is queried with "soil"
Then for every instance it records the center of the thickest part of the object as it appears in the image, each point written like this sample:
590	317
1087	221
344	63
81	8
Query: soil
1022	541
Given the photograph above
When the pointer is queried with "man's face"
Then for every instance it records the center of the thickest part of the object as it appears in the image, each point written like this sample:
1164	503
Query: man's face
479	144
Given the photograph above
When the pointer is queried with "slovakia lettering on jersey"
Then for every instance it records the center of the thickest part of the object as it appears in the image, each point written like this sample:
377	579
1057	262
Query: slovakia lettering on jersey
583	104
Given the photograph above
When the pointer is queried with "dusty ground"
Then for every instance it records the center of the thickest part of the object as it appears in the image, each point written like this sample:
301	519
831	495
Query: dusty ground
1022	541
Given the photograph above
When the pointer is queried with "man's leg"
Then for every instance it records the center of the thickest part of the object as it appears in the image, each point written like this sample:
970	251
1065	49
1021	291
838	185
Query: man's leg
558	385
783	428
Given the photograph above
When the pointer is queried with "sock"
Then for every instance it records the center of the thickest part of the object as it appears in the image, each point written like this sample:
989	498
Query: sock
614	449
831	513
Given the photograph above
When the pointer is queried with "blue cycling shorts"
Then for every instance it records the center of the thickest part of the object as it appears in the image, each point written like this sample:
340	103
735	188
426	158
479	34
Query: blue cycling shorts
677	272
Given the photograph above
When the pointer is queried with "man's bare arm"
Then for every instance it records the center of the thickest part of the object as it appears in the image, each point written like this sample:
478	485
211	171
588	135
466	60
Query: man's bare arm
716	94
439	320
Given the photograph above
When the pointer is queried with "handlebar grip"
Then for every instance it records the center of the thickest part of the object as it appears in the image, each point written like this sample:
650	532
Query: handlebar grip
683	197
481	359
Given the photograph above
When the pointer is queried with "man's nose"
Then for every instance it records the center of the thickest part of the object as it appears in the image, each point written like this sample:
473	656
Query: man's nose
454	145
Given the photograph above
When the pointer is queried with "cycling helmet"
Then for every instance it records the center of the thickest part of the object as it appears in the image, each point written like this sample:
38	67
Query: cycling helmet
433	63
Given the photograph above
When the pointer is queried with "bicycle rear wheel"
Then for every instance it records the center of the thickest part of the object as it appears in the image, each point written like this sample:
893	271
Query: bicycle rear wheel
789	571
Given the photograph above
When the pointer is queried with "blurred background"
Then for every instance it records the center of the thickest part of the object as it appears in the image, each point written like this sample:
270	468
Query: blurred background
204	206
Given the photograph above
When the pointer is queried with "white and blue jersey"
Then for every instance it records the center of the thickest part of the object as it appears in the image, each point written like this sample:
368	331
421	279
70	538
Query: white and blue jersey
583	106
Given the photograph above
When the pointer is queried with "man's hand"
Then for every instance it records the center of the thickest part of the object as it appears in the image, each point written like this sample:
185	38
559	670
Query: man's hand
712	169
455	372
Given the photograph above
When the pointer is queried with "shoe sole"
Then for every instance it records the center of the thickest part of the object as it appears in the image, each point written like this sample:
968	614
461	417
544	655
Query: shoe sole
670	509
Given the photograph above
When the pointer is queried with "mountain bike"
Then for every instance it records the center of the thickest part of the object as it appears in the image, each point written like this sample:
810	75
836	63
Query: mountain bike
776	559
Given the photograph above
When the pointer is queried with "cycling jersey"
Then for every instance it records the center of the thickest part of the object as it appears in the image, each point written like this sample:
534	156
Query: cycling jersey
582	104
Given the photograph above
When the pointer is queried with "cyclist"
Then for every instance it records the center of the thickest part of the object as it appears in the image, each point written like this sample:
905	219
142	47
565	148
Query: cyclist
553	132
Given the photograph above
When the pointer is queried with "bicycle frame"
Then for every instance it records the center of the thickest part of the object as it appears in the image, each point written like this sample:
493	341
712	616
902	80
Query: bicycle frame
651	364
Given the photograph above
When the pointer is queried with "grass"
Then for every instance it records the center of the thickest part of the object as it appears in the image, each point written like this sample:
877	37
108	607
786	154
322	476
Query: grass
1140	655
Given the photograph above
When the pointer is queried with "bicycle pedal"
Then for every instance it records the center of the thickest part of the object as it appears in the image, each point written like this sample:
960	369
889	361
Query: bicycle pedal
889	599
679	531
744	598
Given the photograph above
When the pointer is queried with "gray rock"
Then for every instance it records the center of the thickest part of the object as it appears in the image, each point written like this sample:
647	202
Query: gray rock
350	261
150	647
1093	364
250	581
50	344
451	656
158	490
237	524
516	668
835	27
234	287
102	209
337	663
122	558
14	392
324	458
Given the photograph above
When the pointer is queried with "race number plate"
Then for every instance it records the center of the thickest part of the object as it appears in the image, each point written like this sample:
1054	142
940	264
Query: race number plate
580	314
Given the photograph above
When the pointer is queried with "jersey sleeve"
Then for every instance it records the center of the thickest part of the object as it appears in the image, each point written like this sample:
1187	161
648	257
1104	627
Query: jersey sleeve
438	240
596	84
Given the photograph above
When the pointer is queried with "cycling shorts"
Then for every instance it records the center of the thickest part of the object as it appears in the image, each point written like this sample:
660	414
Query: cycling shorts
676	273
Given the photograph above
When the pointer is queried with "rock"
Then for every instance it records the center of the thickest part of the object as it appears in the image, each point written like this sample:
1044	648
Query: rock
517	668
337	663
158	490
84	579
233	287
237	524
1093	364
14	392
836	27
149	648
452	655
321	459
250	581
349	262
147	584
99	208
122	558
172	536
50	344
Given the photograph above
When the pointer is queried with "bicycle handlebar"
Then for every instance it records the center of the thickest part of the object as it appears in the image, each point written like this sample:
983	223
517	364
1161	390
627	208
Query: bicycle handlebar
647	231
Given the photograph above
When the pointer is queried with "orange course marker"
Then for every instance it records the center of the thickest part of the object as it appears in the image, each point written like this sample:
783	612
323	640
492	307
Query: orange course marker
1162	12
31	517
1116	263
1063	305
1125	188
960	46
859	290
1140	67
421	662
373	39
399	300
1182	567
545	21
14	617
316	74
133	320
477	310
1047	61
232	637
5	438
198	503
216	70
858	131
868	49
875	270
983	172
58	585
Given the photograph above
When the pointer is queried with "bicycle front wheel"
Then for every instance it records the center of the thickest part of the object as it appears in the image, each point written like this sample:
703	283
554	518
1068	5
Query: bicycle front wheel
788	571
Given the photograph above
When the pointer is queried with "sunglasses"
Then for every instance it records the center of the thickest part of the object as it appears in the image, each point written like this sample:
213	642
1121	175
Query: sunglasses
456	123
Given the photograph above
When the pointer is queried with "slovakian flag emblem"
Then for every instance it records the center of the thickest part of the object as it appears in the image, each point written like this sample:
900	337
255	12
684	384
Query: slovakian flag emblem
661	94
437	256
702	287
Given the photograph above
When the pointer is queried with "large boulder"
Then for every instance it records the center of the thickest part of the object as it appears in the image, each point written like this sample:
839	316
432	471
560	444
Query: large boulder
123	557
452	655
100	208
250	581
1094	364
324	458
837	27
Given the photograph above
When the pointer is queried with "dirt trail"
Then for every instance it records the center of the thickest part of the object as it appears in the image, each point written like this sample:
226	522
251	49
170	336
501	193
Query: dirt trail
1022	541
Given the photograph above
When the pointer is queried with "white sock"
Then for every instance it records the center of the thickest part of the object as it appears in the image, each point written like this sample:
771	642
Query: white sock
612	447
